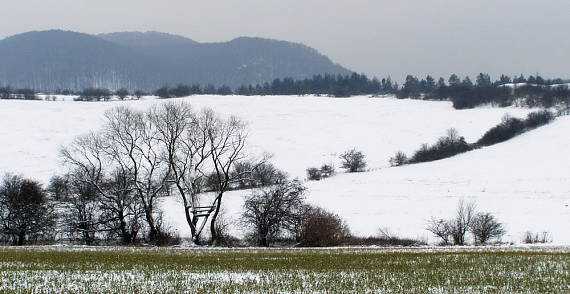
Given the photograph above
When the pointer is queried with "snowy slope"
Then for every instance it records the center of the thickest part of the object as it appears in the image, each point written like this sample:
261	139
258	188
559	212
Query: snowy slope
517	180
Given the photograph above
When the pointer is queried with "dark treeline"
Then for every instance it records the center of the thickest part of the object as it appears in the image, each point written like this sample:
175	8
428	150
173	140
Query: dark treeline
10	93
533	91
333	85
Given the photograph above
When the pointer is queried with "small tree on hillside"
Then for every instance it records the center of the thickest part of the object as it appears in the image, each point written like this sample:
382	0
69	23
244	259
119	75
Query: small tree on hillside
353	160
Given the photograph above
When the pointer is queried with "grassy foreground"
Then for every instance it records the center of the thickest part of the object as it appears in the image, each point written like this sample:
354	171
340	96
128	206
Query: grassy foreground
342	270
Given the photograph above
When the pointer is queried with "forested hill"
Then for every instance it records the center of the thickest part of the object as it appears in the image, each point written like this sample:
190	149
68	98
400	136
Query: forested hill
51	60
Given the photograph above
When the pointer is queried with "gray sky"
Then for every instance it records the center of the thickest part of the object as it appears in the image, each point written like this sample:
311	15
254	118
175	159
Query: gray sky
377	37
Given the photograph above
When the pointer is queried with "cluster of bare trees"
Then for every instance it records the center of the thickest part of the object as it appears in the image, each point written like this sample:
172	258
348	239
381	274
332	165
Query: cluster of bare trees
482	225
118	174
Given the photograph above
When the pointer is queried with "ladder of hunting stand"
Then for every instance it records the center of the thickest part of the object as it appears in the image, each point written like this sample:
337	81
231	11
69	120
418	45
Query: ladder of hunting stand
202	211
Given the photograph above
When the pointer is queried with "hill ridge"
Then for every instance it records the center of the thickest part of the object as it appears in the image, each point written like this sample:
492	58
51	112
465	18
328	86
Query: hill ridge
58	59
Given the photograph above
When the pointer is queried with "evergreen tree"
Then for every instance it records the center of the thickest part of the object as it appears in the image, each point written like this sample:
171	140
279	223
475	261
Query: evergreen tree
454	81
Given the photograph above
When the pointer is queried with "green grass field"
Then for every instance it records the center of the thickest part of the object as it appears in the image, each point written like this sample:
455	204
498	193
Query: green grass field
342	270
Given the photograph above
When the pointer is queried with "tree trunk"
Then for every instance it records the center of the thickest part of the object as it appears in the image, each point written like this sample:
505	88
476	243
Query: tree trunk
213	232
21	238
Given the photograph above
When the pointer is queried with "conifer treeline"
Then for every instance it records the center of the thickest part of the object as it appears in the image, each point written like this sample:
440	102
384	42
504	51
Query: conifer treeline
533	91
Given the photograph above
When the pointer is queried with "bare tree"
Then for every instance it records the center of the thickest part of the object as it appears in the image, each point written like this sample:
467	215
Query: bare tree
199	146
270	211
486	227
462	222
121	211
80	209
222	227
441	229
186	152
226	143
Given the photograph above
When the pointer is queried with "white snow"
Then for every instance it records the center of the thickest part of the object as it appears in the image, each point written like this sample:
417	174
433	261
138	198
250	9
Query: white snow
523	181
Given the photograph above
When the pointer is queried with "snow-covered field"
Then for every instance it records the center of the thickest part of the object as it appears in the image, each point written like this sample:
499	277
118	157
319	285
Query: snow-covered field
525	181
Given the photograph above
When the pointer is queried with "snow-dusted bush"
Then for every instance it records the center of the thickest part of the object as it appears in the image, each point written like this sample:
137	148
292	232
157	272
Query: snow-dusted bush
400	158
316	174
353	161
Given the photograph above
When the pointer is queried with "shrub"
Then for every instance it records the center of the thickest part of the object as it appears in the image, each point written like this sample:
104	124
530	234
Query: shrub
507	129
400	158
539	118
222	235
165	235
447	146
327	170
486	227
314	174
382	241
384	238
321	228
353	160
534	238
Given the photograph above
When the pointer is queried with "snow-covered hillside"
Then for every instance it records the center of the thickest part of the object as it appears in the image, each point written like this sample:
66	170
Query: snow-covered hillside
523	181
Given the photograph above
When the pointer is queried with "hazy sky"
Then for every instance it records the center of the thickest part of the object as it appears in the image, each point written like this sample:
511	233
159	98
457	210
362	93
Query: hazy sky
377	37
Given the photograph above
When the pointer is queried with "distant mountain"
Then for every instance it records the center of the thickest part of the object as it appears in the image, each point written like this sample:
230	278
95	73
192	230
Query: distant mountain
55	59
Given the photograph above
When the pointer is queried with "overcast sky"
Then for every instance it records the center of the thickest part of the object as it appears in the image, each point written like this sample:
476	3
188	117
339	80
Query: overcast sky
377	37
